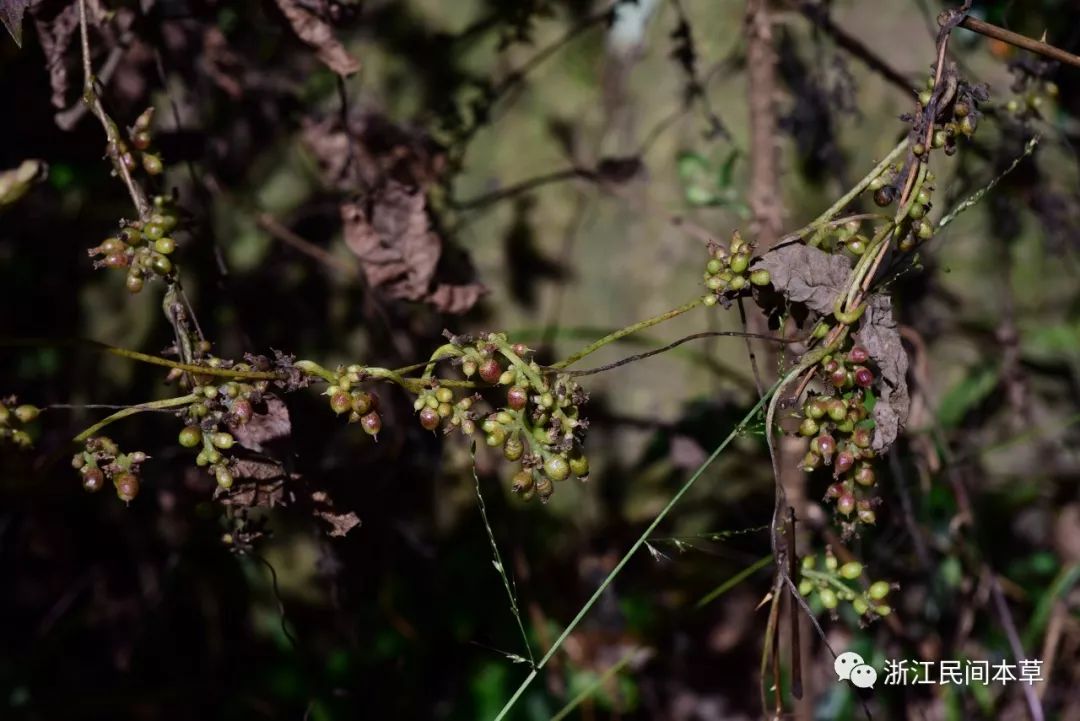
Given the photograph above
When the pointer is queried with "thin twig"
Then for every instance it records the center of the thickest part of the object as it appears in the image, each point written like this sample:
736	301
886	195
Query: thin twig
1021	41
1035	710
676	344
276	229
112	133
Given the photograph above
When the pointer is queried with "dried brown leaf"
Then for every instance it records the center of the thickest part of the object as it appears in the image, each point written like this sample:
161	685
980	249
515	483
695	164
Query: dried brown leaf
879	335
317	33
340	523
270	423
807	275
396	248
456	299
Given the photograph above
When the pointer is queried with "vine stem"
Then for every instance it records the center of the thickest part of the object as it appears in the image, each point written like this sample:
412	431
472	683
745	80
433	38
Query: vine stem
623	332
850	195
132	410
634	549
112	133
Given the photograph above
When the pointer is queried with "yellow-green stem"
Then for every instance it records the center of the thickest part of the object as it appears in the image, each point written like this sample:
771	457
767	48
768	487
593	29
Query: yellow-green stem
152	406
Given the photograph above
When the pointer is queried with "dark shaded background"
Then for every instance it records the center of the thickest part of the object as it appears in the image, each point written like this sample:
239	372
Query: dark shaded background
112	611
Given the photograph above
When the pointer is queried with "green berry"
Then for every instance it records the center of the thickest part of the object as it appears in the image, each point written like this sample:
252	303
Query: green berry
522	482
851	570
26	413
860	605
579	465
808	427
879	590
556	468
153	231
917	211
828	598
444	395
737	283
160	264
513	449
806	587
925	97
222	440
190	436
152	163
714	266
760	277
496	437
739	262
165	245
224	478
709	301
340	402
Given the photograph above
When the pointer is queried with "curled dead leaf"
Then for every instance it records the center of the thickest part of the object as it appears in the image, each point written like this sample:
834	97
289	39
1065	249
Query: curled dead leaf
317	33
878	333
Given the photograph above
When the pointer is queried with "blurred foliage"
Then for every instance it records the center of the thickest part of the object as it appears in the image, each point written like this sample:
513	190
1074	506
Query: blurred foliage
141	612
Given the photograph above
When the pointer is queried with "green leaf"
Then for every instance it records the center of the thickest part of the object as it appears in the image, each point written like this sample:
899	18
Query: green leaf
691	166
11	13
727	171
966	395
15	183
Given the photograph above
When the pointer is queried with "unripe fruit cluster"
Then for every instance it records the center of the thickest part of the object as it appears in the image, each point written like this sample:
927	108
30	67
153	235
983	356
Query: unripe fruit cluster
538	425
728	270
831	584
845	238
101	460
13	418
841	431
221	407
1034	96
140	135
143	248
345	396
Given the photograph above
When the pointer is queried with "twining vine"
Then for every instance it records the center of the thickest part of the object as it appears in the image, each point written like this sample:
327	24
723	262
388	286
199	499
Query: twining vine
847	387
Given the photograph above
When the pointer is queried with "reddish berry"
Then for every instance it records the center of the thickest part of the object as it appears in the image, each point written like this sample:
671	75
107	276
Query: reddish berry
844	462
825	446
517	397
864	377
837	409
93	480
242	412
845	504
838	377
520	350
861	437
429	418
116	260
127	486
362	402
834	491
340	402
371	423
858	355
490	370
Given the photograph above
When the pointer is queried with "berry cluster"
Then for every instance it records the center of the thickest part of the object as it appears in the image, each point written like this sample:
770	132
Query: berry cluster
218	410
843	238
12	419
841	431
141	138
142	247
101	459
728	270
346	397
540	424
1032	88
829	585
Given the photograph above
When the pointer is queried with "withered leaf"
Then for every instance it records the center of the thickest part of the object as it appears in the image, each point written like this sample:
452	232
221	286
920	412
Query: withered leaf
340	523
399	252
807	275
456	299
266	426
879	335
317	33
11	14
